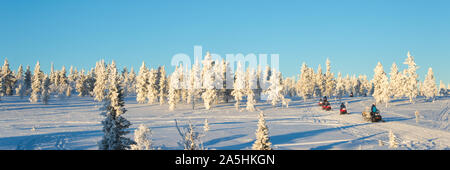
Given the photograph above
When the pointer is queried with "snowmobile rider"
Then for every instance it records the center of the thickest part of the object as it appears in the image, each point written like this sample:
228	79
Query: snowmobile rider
325	98
374	109
342	106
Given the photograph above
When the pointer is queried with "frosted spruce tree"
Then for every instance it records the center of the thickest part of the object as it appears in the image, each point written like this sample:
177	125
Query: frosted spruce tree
340	87
142	84
162	86
395	85
20	87
195	84
36	85
174	86
250	90
305	84
8	80
80	85
319	87
143	138
330	83
152	87
429	85
411	84
275	88
381	85
114	125
262	141
208	82
100	88
27	81
392	140
45	89
442	89
239	85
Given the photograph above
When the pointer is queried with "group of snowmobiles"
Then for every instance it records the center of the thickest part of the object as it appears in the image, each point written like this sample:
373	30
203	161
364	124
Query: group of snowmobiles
371	114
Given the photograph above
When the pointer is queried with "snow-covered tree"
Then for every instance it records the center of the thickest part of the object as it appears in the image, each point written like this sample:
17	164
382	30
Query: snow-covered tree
393	143
330	83
8	80
80	85
143	138
27	80
429	85
250	90
152	86
174	86
142	84
319	87
239	85
162	85
36	83
195	84
306	83
275	88
262	141
411	84
20	87
208	82
381	85
442	89
395	85
190	139
45	89
115	125
100	88
205	126
340	86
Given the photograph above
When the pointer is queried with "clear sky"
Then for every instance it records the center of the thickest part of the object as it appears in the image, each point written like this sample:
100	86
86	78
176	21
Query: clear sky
353	34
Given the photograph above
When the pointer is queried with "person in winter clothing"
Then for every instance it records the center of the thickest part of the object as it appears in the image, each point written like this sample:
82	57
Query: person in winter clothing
374	108
325	98
342	105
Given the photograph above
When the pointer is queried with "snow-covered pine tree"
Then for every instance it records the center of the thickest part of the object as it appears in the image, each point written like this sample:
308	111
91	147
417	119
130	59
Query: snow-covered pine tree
250	90
205	126
162	85
395	86
330	83
381	85
27	80
8	80
340	87
36	84
392	140
62	82
429	85
364	85
305	84
101	81
45	89
239	85
143	138
275	88
442	89
319	88
262	141
174	86
208	82
195	84
141	84
410	86
114	125
20	87
131	83
81	84
152	89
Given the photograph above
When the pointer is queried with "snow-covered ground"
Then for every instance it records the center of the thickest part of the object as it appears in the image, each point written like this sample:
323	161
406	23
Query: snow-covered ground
75	124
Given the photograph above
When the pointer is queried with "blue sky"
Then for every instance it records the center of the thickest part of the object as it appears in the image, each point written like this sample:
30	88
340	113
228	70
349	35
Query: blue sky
354	35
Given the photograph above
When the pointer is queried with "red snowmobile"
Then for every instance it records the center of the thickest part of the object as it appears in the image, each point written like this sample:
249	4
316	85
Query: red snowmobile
343	109
326	106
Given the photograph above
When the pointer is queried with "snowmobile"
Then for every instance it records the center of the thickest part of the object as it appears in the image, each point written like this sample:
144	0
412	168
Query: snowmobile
343	111
320	102
326	106
370	116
